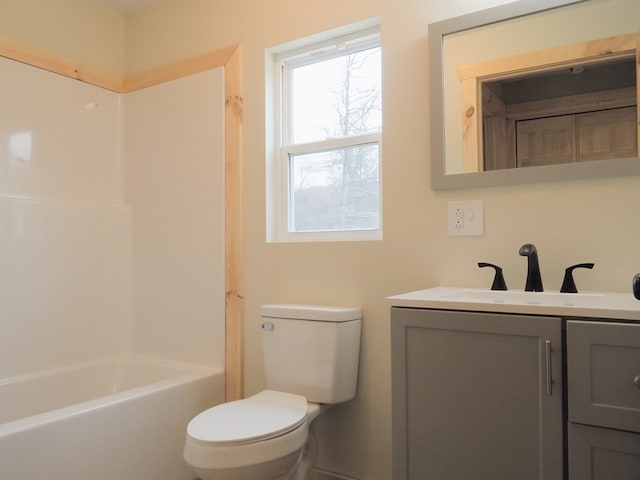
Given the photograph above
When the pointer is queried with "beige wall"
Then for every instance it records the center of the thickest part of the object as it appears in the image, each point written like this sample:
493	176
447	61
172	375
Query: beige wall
82	30
570	222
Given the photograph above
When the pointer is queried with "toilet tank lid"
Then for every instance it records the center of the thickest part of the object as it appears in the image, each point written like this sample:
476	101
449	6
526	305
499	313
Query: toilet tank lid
312	312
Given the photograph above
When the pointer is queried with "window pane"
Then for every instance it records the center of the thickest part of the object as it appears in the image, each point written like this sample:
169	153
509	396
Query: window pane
337	97
335	189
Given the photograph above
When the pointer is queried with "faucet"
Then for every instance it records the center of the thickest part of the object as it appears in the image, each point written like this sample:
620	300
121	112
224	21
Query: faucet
534	280
569	284
498	278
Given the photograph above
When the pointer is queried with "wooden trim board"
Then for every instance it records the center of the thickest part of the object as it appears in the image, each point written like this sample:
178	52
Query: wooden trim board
36	57
179	69
543	60
229	58
234	271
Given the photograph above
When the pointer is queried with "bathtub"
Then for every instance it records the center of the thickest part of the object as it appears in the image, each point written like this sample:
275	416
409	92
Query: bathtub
117	419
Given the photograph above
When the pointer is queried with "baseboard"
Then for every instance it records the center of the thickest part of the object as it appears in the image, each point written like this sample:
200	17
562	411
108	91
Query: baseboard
317	474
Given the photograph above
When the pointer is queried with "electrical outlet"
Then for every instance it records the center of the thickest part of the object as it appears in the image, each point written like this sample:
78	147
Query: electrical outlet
466	218
458	220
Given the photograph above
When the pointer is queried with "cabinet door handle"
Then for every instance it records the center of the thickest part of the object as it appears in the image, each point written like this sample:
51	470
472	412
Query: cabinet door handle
636	381
547	352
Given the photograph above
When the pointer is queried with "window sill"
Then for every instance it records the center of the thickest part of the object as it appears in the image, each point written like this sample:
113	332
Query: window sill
320	237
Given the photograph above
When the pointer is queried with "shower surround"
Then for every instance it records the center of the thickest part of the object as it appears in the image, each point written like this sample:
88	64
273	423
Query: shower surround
111	223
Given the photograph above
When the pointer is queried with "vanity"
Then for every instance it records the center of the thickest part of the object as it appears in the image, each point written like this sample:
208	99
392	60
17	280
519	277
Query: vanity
515	385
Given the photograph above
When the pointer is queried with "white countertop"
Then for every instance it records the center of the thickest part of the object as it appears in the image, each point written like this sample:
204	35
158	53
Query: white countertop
609	305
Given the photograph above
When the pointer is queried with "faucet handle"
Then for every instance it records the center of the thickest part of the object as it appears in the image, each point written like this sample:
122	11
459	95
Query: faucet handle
498	279
568	284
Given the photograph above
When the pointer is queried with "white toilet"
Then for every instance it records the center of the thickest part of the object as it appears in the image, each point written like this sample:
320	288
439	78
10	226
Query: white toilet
311	362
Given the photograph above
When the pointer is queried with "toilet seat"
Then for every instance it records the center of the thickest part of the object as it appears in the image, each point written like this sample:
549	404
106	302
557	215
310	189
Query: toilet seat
232	436
263	416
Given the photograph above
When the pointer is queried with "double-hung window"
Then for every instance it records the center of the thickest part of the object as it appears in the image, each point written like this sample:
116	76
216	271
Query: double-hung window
326	158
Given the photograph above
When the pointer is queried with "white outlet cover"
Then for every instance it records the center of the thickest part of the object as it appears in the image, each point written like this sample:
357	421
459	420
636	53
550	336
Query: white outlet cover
473	218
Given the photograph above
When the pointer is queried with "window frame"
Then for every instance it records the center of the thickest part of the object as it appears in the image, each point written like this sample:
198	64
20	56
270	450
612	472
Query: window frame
283	60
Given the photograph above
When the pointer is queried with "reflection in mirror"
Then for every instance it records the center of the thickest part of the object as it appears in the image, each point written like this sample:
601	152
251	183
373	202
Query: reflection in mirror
577	110
562	104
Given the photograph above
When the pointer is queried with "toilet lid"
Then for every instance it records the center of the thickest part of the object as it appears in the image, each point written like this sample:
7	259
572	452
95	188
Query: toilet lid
265	415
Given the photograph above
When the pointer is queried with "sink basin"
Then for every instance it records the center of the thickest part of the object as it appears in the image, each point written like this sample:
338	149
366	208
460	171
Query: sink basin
515	297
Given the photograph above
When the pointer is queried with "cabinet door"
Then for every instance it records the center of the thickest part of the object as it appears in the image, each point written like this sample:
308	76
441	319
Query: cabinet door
476	395
545	141
603	374
603	454
607	134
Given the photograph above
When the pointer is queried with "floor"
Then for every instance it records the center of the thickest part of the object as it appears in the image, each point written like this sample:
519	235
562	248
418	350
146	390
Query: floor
315	474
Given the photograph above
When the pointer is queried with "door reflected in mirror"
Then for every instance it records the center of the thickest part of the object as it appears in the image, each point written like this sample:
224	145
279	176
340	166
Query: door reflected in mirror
576	110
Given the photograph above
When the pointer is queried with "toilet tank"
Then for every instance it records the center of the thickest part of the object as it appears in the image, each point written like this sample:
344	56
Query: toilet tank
312	350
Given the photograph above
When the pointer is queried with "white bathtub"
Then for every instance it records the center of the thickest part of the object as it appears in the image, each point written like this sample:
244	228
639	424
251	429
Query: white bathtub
118	419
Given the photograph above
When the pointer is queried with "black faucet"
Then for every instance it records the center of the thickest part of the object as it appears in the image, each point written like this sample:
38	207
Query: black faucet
534	280
568	283
498	278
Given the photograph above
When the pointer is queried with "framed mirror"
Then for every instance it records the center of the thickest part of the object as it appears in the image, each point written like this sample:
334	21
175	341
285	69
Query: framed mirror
535	91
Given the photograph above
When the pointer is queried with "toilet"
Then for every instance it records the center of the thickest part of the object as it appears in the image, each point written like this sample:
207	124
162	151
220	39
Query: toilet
311	362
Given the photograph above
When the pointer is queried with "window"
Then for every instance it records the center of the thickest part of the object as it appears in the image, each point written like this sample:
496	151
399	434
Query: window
326	153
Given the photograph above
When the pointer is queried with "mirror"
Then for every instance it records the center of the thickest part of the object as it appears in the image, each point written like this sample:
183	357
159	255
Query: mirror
534	91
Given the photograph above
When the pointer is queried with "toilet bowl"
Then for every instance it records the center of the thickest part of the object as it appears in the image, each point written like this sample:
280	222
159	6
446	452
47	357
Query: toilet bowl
311	362
261	437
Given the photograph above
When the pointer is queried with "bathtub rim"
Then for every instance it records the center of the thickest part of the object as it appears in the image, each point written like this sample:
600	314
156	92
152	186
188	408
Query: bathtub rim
192	373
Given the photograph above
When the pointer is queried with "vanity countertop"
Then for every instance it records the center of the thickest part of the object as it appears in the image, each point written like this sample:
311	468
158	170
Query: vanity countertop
609	305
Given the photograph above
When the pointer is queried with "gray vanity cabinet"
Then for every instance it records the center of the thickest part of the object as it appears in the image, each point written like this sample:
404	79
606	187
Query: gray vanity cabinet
476	395
603	384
